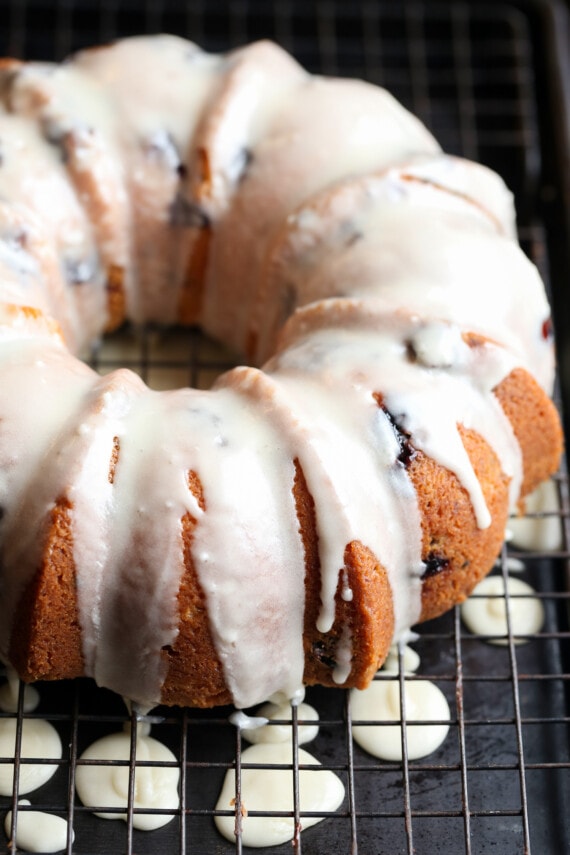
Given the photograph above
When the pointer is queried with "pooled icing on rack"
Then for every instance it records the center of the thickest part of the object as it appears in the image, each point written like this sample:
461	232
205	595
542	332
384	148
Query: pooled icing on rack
540	527
38	831
381	702
155	787
40	740
10	692
270	789
221	437
138	151
259	728
485	612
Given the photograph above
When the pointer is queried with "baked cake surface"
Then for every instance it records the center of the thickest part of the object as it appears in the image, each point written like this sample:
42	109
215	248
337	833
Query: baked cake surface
283	529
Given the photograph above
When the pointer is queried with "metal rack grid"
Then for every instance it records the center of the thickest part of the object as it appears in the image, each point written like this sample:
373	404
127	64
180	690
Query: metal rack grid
474	74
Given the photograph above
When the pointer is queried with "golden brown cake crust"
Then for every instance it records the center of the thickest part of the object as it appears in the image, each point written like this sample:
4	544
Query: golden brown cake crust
194	676
536	425
116	300
192	292
46	640
369	616
233	218
456	552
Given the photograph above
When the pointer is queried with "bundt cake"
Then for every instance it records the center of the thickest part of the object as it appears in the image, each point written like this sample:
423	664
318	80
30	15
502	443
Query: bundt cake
199	548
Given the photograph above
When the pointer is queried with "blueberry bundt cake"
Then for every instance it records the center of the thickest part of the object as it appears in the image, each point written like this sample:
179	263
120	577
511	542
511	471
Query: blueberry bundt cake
198	548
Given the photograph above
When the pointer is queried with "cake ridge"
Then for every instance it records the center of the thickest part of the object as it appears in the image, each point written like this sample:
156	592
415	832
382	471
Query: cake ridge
282	528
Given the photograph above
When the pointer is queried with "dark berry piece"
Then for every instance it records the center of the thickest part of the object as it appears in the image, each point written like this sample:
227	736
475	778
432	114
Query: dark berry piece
320	654
353	238
547	329
241	164
56	136
407	450
78	271
161	147
185	214
434	564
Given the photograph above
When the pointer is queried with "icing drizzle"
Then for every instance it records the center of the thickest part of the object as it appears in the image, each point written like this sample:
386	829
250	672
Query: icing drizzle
213	151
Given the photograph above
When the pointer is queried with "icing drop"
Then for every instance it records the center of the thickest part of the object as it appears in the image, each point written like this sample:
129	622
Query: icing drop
282	732
343	657
380	702
10	691
156	788
38	831
272	790
541	533
39	740
247	722
514	565
411	660
487	615
116	184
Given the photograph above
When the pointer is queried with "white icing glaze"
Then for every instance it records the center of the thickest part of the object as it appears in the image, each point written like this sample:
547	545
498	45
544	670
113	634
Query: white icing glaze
473	182
426	401
380	702
217	146
343	656
414	245
485	612
349	461
379	134
411	660
235	455
37	187
514	565
156	787
544	531
40	740
261	731
246	722
10	692
267	789
38	831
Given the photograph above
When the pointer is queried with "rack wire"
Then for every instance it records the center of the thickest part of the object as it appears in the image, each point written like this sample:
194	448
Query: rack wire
481	77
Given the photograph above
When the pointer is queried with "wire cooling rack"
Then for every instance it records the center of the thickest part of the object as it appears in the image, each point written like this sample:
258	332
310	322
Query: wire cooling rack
489	81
